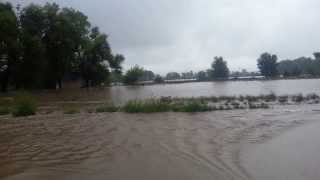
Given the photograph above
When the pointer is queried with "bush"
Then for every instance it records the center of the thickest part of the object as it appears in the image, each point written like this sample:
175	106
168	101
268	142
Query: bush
24	106
298	98
4	111
283	99
193	106
71	110
107	108
312	96
270	97
148	106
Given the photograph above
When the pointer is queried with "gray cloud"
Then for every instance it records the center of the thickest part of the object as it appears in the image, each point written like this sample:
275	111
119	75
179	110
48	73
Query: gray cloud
181	35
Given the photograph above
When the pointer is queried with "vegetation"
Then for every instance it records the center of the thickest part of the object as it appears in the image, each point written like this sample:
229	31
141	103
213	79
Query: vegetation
4	110
107	108
24	105
149	106
41	45
300	66
219	69
158	79
71	109
193	106
267	64
132	75
173	76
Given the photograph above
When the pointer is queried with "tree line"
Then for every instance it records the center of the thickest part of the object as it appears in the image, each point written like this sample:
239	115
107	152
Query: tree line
267	63
41	45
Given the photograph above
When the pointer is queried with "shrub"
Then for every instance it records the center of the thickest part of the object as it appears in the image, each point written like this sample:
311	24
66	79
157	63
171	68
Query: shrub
193	106
71	110
264	106
4	111
107	108
312	96
24	105
252	98
270	97
297	98
148	106
283	99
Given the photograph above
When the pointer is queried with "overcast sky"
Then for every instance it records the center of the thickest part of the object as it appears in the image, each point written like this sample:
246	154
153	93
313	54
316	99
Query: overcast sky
182	35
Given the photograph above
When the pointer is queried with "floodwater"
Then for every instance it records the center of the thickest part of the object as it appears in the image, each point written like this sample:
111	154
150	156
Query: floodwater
121	94
224	88
293	155
119	146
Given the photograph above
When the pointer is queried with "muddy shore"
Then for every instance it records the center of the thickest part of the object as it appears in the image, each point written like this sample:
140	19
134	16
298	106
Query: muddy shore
140	146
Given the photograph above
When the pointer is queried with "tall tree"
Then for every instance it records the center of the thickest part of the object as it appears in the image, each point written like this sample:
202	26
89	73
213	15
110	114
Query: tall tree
94	68
65	35
8	43
267	63
220	69
32	67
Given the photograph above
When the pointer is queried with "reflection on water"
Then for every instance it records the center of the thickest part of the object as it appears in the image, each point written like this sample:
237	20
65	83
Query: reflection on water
280	87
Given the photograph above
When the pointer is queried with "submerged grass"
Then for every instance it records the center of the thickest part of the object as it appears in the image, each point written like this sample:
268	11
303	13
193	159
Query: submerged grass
70	109
4	111
148	106
193	106
107	108
24	105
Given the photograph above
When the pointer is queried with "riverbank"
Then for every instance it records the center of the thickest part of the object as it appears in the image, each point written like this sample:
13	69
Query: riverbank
139	146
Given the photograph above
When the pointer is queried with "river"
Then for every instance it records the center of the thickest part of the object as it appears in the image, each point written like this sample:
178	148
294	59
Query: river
121	94
118	146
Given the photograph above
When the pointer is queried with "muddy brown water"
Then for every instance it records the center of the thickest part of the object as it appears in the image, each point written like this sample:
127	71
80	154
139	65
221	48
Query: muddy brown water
121	94
119	146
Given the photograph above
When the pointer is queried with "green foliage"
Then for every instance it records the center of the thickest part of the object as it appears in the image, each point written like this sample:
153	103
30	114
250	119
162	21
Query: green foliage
219	69
8	44
193	106
267	65
70	109
43	44
202	76
132	75
4	110
24	105
107	108
149	106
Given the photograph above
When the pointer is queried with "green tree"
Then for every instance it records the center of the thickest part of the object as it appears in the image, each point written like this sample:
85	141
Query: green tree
202	76
267	64
219	69
94	68
132	75
8	44
32	67
64	38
